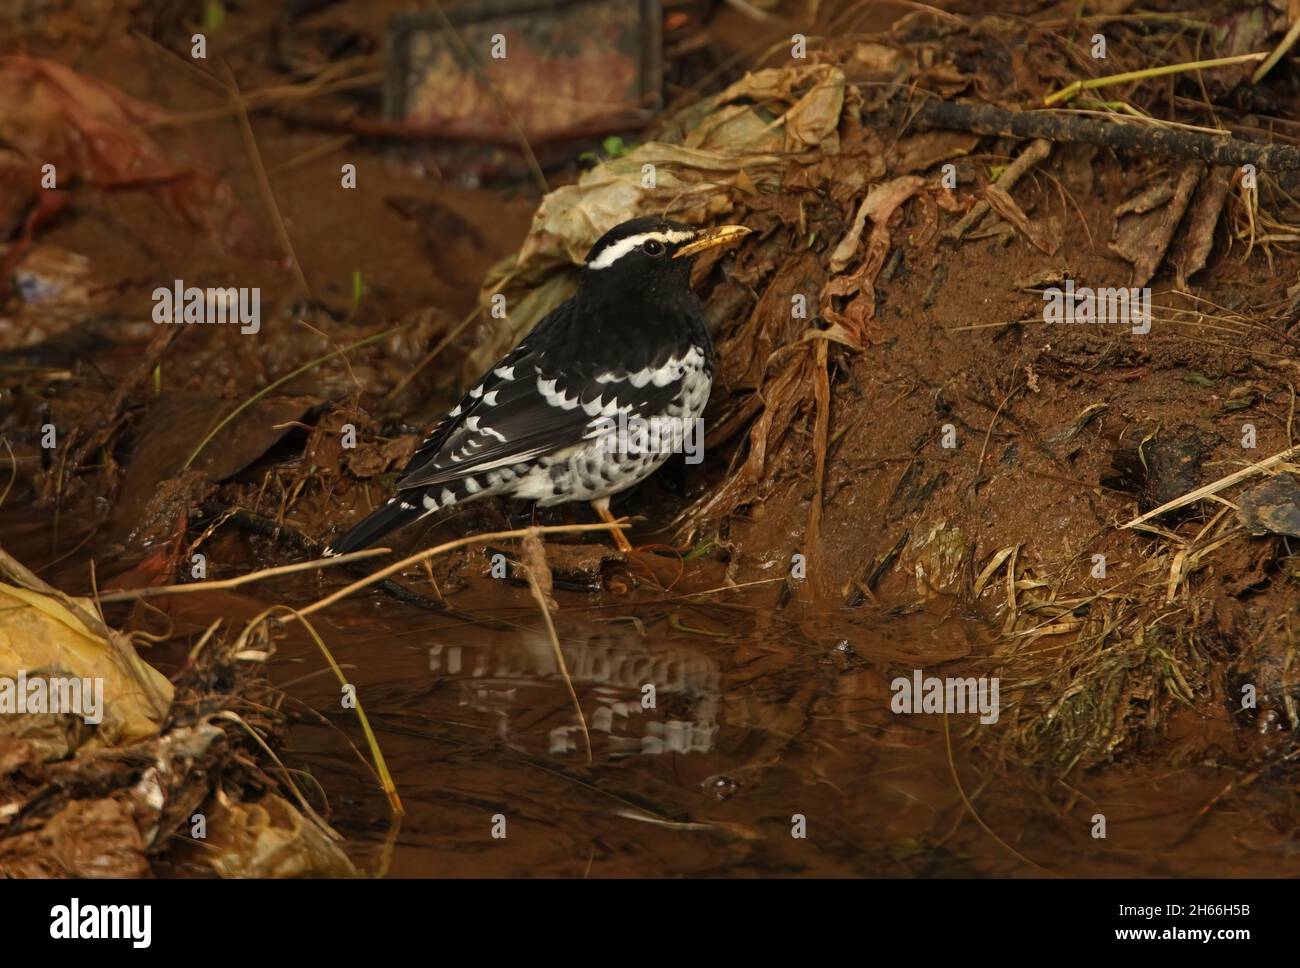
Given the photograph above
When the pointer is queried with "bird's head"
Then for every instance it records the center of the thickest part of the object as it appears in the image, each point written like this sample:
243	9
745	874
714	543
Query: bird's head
649	253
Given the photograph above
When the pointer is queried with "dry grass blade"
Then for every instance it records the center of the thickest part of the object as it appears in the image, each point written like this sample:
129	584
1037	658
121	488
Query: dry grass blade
1013	613
381	765
240	649
1279	52
307	808
720	826
992	567
203	640
539	582
264	182
821	431
429	357
970	807
13	470
1067	92
312	364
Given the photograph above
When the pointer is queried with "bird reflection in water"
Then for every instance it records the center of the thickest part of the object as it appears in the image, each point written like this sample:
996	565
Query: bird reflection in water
638	697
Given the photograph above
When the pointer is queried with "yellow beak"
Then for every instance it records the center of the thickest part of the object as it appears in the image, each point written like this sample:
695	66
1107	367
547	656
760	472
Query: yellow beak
708	238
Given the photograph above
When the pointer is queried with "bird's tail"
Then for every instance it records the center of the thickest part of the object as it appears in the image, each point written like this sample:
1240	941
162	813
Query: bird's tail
373	526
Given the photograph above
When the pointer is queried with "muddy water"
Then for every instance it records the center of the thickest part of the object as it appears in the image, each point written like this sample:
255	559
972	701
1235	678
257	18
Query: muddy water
759	714
710	727
756	718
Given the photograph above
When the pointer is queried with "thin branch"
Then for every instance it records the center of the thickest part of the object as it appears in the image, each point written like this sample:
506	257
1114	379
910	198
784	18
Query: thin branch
221	584
621	523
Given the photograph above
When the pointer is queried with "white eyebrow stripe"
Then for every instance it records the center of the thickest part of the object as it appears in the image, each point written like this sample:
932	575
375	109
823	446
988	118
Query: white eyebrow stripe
612	253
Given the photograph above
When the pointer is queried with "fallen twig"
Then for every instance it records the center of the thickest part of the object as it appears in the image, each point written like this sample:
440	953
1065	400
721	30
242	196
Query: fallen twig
1031	156
219	584
1110	132
621	523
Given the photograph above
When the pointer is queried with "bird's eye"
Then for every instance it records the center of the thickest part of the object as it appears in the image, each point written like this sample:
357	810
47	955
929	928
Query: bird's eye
652	247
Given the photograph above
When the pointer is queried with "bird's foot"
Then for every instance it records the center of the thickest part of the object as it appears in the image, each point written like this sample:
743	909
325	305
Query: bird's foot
601	508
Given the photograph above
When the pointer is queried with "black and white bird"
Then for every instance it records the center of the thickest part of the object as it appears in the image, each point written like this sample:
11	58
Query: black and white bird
549	421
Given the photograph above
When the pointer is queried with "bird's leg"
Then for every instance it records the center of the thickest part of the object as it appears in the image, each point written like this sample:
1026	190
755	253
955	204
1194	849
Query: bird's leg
601	507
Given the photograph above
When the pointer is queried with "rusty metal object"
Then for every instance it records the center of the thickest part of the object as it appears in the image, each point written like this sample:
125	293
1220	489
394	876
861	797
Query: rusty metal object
496	68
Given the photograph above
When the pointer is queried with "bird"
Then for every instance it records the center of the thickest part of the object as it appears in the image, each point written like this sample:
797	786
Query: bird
549	421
